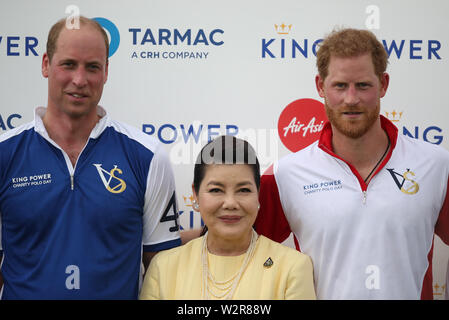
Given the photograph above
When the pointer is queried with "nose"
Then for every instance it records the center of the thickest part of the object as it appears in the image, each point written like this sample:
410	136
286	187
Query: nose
351	96
79	78
230	203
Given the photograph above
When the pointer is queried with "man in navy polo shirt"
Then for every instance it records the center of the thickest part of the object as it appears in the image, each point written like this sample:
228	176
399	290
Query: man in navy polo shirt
83	199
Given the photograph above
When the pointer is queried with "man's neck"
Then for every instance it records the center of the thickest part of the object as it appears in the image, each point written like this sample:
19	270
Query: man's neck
69	133
364	152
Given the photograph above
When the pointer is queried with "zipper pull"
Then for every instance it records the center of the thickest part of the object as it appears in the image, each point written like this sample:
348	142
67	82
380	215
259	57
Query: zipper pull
364	197
71	182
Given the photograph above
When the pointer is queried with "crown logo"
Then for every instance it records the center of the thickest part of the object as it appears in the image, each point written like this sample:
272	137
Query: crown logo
283	28
393	116
439	290
188	200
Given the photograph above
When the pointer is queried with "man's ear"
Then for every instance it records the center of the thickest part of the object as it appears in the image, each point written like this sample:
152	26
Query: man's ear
45	65
106	69
384	82
319	82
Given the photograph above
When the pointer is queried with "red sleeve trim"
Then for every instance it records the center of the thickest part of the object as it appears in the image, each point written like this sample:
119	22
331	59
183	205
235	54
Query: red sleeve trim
442	225
295	240
427	285
271	221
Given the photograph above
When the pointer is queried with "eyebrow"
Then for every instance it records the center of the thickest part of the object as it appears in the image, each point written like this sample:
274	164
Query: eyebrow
345	81
66	60
76	61
243	183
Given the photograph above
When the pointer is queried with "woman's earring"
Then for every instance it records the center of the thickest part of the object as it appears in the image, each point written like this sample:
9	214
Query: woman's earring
258	206
196	206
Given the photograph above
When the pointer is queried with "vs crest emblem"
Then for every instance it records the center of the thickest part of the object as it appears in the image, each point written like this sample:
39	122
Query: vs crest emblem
407	185
113	184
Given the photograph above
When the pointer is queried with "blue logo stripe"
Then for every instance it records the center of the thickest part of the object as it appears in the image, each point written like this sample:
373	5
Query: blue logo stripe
113	33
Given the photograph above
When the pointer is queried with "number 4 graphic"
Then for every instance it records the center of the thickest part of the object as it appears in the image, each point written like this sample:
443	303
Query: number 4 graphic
174	216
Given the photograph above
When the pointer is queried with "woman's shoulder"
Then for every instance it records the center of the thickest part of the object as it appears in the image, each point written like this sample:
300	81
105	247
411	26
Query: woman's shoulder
174	255
280	251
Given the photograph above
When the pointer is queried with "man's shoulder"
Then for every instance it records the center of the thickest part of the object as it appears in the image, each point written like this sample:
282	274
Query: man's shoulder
407	145
10	134
136	135
298	158
306	152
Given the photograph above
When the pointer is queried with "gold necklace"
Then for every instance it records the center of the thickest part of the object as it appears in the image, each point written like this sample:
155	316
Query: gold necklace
228	286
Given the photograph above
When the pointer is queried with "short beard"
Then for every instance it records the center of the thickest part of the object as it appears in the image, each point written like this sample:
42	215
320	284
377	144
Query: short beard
356	129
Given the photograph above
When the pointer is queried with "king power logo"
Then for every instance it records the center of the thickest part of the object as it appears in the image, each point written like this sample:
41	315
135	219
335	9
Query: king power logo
404	182
287	45
116	187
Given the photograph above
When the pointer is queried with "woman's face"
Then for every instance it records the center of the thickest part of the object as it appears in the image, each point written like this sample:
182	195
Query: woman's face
228	200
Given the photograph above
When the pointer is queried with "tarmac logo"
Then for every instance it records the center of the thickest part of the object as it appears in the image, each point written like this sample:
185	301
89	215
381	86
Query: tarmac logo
118	187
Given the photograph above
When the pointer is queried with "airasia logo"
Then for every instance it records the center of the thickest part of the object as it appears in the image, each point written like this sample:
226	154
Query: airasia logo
301	123
296	126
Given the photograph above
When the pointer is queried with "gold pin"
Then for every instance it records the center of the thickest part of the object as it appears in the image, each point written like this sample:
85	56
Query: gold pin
268	263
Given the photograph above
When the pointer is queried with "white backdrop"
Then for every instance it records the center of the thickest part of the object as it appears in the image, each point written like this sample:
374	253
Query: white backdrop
228	66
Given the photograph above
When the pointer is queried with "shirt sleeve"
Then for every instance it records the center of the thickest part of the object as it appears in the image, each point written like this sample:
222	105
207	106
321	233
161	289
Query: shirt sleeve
1	248
271	221
160	217
442	225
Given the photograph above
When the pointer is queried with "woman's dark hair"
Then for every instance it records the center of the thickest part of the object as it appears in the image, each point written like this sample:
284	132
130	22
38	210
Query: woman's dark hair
225	150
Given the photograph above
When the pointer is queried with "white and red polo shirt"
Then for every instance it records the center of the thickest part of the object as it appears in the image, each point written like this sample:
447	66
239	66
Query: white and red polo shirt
370	241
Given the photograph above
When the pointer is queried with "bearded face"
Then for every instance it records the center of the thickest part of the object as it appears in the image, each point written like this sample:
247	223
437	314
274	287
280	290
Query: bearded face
352	93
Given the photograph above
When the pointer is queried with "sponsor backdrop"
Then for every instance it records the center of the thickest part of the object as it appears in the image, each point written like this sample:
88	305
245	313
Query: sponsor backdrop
187	71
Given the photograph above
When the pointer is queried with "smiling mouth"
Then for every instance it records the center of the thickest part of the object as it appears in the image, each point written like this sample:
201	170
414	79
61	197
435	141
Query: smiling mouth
76	95
230	219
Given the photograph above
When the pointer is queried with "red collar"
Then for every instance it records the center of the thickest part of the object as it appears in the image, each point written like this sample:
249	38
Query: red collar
325	143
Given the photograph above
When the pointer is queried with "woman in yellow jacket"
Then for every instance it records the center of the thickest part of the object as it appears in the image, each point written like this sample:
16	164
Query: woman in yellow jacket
230	261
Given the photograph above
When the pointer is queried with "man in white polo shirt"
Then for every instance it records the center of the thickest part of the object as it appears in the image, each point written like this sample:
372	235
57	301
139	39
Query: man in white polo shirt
363	201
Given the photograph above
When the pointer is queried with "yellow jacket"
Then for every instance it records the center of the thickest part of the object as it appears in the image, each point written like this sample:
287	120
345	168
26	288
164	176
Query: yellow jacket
176	274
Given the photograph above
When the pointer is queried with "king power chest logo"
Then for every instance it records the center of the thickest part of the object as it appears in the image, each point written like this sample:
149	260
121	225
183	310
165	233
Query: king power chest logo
404	181
111	182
